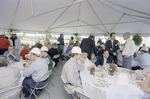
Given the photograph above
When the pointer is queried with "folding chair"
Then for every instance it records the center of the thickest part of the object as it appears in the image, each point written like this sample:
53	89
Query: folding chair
80	95
53	66
44	76
68	90
12	93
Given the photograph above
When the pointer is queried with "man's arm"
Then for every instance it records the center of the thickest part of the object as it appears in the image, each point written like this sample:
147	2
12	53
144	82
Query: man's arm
29	69
146	87
16	55
93	46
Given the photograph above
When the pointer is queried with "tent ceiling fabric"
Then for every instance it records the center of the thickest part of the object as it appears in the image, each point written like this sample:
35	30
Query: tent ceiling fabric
76	16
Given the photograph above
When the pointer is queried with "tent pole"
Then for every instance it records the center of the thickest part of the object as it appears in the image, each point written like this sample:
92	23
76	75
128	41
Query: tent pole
93	26
14	14
128	8
59	17
116	23
97	15
32	11
51	11
78	17
63	24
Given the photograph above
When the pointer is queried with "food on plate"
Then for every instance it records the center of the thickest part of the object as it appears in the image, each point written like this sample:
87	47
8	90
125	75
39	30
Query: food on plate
101	83
101	74
140	84
98	69
124	70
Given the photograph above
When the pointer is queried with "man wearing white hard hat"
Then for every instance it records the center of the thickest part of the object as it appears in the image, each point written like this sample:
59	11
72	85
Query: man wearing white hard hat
71	69
4	43
15	41
48	59
144	58
33	71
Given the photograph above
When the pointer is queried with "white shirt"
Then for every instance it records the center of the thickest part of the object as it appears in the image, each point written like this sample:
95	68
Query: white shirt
112	41
105	59
129	48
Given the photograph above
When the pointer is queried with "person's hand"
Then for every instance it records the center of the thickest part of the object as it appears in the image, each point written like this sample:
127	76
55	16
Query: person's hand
148	74
125	56
27	65
118	43
81	86
111	49
89	67
101	67
130	72
114	54
93	66
138	77
81	59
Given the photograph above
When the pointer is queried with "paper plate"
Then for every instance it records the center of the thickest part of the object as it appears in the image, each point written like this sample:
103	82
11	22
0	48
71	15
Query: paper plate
98	69
101	74
100	83
21	68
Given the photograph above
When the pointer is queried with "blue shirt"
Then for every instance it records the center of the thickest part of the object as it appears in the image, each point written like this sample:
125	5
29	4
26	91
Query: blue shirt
61	40
47	60
36	69
11	57
67	52
143	59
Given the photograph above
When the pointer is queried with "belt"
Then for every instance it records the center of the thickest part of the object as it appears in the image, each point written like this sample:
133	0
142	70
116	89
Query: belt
44	80
68	83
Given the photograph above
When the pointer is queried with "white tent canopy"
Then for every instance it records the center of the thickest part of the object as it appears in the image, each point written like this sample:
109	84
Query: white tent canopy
76	16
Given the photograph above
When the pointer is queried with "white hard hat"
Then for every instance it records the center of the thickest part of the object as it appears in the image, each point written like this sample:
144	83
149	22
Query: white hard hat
36	51
76	49
14	32
144	48
44	48
57	42
2	33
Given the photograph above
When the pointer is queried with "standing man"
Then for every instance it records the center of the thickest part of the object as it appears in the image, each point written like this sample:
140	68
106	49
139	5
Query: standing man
128	50
61	40
88	44
15	41
4	43
112	46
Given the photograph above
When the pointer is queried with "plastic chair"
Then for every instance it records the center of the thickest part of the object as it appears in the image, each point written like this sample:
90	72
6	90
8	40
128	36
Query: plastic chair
44	76
53	66
12	93
56	56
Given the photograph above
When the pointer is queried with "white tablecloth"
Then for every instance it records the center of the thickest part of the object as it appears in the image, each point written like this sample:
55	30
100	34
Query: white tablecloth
18	64
114	91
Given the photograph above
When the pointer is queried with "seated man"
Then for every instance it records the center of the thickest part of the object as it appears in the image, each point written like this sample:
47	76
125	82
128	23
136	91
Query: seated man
33	71
68	51
103	60
48	59
52	52
12	54
143	58
9	76
87	63
71	70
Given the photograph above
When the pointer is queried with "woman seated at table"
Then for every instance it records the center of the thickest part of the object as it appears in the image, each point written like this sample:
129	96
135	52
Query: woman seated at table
103	60
25	51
